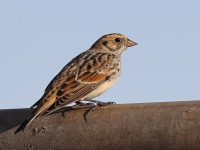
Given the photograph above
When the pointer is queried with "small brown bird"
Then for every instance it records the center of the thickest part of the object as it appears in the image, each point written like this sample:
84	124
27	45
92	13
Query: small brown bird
86	76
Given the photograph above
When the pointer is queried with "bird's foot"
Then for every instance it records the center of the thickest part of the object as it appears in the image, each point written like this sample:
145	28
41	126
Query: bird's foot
98	104
80	105
105	103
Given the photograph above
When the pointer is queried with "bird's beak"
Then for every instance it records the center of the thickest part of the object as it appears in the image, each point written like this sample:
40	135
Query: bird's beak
131	43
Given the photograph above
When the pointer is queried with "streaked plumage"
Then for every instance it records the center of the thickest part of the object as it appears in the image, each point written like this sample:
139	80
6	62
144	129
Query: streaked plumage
86	76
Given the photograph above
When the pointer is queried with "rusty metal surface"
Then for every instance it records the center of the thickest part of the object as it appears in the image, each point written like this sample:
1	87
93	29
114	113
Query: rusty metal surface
171	125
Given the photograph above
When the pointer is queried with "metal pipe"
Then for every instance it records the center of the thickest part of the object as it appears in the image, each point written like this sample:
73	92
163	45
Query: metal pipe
168	125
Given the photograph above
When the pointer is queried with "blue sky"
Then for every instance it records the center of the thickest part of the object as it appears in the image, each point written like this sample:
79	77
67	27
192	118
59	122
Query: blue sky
37	38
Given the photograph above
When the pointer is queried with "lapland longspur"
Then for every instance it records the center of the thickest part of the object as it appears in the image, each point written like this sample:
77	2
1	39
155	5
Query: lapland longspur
86	76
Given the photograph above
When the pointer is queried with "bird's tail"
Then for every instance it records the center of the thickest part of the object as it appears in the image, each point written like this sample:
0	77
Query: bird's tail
42	106
26	122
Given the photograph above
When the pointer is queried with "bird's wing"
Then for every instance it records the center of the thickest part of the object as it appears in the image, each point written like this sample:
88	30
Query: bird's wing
60	77
73	90
71	85
92	74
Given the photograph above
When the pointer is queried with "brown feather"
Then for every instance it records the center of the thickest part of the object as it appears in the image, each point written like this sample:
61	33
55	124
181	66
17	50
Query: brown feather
82	76
82	91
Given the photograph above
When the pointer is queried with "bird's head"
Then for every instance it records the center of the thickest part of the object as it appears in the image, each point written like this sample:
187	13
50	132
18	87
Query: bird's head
113	43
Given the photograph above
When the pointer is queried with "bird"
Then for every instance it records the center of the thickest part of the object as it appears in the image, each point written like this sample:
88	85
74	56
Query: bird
85	77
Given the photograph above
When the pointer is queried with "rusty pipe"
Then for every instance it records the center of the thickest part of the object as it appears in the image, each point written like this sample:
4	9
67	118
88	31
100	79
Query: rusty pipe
166	125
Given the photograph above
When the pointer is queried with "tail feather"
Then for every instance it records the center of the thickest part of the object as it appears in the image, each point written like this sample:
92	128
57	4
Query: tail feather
26	123
37	112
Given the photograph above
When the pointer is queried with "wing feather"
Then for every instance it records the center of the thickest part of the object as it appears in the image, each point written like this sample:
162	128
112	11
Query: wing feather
75	93
79	82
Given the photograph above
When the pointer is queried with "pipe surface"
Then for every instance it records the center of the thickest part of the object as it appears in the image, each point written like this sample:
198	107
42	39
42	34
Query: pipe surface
148	126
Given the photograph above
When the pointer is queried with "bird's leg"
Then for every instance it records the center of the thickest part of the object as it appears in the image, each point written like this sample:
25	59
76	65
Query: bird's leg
99	102
92	106
80	105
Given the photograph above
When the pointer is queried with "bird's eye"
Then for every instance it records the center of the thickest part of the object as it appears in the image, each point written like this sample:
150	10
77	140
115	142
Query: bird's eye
117	40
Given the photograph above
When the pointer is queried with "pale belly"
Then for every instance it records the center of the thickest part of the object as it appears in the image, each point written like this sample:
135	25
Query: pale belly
104	87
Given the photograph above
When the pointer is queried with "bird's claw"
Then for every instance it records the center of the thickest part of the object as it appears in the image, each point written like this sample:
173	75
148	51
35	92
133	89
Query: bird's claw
97	105
80	105
105	103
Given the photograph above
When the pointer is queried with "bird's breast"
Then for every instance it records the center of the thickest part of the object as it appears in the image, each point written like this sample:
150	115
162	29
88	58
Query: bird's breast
101	89
114	72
